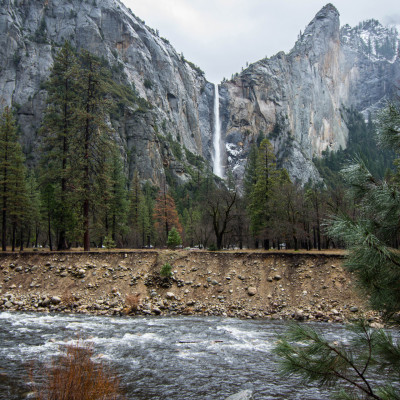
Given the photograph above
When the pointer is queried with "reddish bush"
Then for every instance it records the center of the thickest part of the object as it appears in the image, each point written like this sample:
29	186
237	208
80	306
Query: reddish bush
75	376
132	301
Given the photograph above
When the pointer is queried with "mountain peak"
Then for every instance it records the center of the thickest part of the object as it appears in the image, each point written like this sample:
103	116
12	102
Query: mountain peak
372	39
323	29
328	11
325	22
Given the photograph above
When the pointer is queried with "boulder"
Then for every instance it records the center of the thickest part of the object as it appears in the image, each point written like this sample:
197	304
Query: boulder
55	300
251	290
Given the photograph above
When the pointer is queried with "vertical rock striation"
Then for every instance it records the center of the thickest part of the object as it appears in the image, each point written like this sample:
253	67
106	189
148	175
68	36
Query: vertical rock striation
31	32
297	99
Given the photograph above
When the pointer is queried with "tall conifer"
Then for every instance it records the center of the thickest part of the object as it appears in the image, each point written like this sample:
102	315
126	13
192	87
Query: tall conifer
58	131
12	176
92	142
260	197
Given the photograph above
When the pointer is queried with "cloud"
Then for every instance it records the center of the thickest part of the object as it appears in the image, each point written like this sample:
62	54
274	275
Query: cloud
221	35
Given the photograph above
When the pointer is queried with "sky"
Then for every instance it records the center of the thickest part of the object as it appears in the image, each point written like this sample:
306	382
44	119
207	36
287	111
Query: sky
221	36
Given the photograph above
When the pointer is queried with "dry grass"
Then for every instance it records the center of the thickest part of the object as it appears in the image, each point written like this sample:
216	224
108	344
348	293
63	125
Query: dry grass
132	301
75	376
68	299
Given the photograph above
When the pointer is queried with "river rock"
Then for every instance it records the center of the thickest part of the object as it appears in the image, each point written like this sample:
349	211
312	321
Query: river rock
243	395
55	300
251	290
45	302
376	325
298	315
170	295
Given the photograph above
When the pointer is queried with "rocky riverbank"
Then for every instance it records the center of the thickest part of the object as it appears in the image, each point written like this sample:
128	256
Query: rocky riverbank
303	286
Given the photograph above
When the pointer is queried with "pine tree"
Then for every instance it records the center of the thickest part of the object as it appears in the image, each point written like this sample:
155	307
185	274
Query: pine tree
191	221
48	207
165	215
261	195
372	238
12	176
33	210
174	238
134	214
58	130
250	174
92	142
118	202
19	204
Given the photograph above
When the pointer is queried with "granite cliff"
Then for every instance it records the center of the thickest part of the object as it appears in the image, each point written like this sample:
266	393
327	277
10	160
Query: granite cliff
296	99
32	31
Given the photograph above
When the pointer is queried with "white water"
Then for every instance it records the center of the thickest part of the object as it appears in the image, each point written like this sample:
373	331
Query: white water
217	167
171	358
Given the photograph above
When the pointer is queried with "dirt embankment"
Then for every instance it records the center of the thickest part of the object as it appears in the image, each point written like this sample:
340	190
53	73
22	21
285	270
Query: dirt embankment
236	284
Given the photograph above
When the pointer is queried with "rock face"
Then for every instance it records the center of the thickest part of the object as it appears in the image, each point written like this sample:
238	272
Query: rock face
32	31
295	99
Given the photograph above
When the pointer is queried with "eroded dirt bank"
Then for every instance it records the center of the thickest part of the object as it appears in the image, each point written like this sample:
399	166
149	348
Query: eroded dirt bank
236	284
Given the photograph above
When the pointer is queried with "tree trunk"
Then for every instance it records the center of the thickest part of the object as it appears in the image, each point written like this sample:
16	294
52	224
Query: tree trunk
28	239
36	237
219	241
21	238
4	224
86	236
14	228
296	245
314	238
49	231
62	239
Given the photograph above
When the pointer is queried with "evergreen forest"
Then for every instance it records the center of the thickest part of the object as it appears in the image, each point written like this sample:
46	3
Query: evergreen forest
78	195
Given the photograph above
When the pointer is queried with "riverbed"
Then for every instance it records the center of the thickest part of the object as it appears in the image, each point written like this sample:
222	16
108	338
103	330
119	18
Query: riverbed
169	358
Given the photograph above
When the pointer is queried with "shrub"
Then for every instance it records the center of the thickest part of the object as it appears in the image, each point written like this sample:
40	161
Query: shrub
109	243
73	375
174	238
132	301
148	84
68	299
166	270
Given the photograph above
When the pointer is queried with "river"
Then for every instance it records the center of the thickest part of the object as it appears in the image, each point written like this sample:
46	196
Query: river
169	358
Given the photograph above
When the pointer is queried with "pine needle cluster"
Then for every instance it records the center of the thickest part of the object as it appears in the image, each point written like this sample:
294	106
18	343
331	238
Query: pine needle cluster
368	365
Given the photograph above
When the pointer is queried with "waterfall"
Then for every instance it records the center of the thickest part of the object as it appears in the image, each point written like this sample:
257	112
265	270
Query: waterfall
217	167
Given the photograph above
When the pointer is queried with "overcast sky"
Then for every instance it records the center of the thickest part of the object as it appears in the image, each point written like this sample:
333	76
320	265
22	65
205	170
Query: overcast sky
220	36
